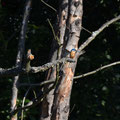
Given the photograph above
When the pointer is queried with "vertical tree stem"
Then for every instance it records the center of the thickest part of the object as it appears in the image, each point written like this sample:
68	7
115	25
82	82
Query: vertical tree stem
21	47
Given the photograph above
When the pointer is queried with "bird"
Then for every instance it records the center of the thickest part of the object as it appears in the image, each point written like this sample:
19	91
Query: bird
72	53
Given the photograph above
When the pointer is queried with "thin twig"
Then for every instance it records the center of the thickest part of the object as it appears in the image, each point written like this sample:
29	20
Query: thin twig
49	5
86	30
53	31
72	109
52	28
97	70
24	101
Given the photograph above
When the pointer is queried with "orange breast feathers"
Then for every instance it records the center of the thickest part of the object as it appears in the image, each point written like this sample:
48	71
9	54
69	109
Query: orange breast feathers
73	53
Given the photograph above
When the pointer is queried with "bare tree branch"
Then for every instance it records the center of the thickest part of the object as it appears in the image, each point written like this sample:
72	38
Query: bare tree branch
97	70
16	70
20	56
49	65
48	5
90	39
97	32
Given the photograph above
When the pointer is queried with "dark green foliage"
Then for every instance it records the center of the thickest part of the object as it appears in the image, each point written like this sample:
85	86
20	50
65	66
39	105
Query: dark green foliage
93	98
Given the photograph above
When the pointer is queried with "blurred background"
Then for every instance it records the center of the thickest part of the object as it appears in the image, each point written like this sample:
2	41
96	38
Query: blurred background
96	97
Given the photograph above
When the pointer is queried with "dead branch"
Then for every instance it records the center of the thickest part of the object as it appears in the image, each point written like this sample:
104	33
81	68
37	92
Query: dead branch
97	32
48	5
49	65
16	70
97	70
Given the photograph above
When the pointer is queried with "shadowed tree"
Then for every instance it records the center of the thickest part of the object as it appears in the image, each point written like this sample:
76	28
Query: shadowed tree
56	103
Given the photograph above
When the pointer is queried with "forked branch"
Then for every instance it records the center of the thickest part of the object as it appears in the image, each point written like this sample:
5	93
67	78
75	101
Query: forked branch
15	70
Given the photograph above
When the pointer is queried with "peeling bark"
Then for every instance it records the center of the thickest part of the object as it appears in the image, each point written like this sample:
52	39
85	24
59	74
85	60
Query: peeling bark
56	104
55	54
60	108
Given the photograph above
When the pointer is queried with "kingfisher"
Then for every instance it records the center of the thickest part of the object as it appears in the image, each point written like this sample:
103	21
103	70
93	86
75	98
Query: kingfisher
72	53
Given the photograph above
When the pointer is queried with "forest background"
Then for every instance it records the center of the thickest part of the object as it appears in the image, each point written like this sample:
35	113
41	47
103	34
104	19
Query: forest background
95	97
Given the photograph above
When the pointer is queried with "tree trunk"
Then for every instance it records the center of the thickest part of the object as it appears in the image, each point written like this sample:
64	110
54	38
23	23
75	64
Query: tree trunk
56	104
54	55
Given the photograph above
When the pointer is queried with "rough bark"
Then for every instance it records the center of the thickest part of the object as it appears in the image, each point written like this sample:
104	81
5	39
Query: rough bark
70	17
60	109
55	54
